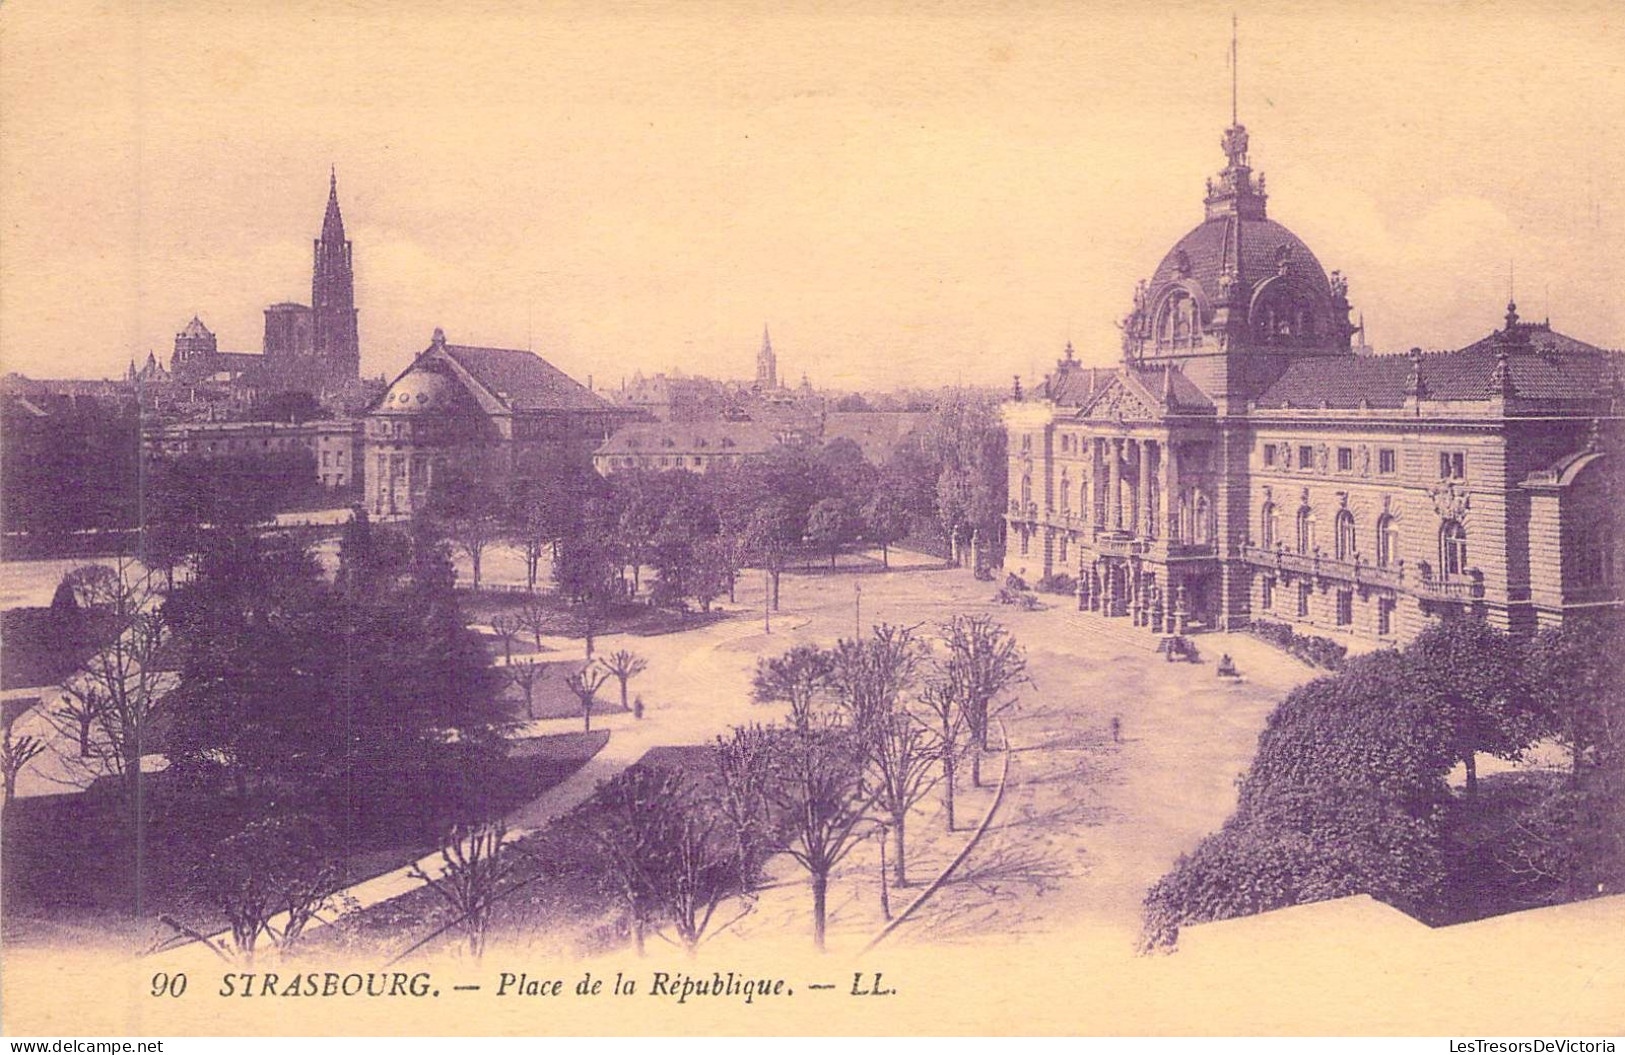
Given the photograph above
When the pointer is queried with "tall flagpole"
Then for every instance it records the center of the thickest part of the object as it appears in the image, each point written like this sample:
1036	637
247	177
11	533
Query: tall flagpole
1235	62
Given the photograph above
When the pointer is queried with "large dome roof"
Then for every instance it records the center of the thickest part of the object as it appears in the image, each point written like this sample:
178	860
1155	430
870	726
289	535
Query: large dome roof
421	391
1265	249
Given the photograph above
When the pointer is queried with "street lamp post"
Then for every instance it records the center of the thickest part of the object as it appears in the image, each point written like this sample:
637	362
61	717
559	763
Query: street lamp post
767	601
857	610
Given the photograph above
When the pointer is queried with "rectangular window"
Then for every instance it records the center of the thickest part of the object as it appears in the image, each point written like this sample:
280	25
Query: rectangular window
1345	459
1385	615
1303	600
1345	607
1387	461
1452	465
1306	457
1267	593
1269	455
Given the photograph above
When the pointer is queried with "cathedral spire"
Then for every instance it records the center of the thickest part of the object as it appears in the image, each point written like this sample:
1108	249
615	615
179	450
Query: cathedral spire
333	222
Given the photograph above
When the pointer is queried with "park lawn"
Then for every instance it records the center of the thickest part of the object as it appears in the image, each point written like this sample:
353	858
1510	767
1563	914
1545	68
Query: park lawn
553	899
641	620
68	856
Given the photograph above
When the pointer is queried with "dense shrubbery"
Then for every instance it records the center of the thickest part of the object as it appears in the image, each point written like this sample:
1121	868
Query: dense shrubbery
1313	649
1348	790
1057	582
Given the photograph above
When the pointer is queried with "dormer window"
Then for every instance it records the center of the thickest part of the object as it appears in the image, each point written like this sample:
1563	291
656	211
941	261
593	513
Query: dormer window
1177	323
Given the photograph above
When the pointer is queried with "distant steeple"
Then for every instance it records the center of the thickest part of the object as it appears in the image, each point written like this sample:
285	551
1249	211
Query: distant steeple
767	364
334	341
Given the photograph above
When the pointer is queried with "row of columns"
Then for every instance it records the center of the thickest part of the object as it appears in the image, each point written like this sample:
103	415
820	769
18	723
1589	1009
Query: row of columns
1138	517
1126	588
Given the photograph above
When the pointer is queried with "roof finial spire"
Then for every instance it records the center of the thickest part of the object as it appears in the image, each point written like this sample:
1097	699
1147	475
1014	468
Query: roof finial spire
1235	72
333	181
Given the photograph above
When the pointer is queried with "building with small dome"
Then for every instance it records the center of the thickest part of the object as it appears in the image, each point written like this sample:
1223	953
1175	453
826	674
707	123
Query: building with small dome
1247	461
501	413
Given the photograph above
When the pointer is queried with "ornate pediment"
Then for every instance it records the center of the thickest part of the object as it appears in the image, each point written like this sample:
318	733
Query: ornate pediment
1118	401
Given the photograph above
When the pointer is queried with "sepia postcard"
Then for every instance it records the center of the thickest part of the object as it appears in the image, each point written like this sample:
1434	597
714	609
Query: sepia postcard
782	519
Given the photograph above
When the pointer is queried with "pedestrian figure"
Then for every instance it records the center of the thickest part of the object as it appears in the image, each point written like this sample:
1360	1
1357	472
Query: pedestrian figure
1117	729
1227	666
637	706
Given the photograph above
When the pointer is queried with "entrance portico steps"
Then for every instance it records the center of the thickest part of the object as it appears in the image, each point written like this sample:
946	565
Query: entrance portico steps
1120	630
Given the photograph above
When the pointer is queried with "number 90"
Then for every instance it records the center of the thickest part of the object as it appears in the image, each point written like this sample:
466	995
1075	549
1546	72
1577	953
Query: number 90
166	984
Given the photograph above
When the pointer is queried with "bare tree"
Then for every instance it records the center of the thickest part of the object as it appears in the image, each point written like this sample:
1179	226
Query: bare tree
507	626
943	716
633	834
278	866
984	662
15	754
745	762
900	768
625	666
870	675
526	674
585	683
117	692
535	617
474	865
799	677
819	789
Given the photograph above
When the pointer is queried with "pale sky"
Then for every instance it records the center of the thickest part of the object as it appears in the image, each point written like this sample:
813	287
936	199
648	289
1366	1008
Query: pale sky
907	194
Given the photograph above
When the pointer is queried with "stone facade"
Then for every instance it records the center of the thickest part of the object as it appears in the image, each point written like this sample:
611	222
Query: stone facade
1244	462
499	413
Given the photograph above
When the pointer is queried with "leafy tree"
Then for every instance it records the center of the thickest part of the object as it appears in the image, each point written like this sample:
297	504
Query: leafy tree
886	516
799	677
1575	673
1471	674
535	617
625	666
507	626
1345	795
587	573
469	512
870	675
831	525
772	532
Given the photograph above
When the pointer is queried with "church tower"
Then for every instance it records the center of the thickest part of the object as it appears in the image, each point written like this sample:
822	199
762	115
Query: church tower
332	298
767	364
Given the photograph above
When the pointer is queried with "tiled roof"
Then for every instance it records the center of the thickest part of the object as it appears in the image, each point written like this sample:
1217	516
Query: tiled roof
1185	395
876	432
524	380
1549	367
1210	246
1072	385
696	437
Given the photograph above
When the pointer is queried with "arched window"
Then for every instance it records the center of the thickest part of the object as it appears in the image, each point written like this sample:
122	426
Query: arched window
1026	492
1306	530
1346	547
1387	541
1452	549
1269	525
1176	325
1066	494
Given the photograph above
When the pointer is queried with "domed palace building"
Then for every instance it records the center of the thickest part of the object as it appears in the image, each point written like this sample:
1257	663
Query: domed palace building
500	413
1243	462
